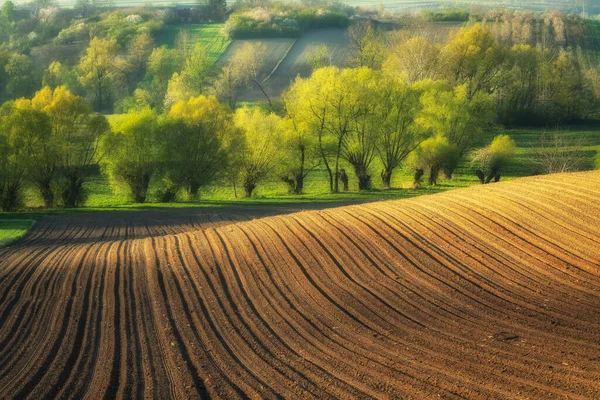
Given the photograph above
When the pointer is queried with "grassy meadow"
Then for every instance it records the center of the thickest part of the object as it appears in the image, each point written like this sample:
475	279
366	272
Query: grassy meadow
211	37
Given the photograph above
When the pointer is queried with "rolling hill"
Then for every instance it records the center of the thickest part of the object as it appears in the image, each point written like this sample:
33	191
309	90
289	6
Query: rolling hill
485	292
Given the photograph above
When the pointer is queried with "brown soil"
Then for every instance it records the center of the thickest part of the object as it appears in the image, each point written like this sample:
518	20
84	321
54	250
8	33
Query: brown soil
487	292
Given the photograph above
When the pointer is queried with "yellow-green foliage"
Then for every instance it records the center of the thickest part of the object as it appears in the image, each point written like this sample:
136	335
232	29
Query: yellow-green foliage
496	156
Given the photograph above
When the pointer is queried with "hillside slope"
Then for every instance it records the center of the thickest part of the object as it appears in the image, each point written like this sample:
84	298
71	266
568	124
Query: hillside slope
487	292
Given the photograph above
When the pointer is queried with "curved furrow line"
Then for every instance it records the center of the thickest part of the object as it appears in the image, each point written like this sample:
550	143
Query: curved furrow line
574	202
463	225
23	275
555	261
505	232
27	381
200	333
390	280
486	252
77	370
533	209
47	312
524	274
275	328
447	331
488	305
522	226
39	312
177	355
519	374
453	262
341	344
451	329
382	334
276	363
226	337
263	339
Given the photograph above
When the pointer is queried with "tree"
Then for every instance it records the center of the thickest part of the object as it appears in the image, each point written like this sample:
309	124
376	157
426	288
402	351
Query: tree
194	135
301	154
76	135
397	109
262	135
32	127
414	59
14	155
492	159
213	10
58	74
162	64
8	10
191	79
432	156
21	76
320	57
473	57
132	151
559	152
98	72
329	102
228	86
368	44
457	116
359	148
243	70
138	51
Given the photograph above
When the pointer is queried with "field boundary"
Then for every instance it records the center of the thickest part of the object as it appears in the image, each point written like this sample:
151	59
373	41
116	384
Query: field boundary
281	60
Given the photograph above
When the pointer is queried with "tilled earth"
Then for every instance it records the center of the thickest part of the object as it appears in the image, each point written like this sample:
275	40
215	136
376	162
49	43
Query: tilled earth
486	292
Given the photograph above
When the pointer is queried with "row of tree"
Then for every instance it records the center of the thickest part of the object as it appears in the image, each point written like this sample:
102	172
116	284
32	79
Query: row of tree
335	117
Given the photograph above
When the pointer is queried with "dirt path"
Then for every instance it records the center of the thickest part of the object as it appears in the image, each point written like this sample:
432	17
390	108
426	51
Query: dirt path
487	292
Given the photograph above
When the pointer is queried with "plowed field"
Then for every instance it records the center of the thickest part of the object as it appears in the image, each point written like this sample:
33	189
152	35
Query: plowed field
486	292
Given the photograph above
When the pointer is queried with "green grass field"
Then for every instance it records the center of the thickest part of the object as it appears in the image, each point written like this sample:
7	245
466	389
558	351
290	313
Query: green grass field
14	226
210	35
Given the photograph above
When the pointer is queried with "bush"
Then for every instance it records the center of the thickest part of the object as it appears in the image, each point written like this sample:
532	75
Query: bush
432	156
492	159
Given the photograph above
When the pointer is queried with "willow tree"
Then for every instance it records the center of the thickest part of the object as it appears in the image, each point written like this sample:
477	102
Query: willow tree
195	135
260	154
76	133
453	113
329	102
397	110
98	72
132	151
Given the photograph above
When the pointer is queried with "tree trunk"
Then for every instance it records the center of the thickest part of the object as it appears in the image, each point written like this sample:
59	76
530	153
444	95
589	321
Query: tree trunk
194	189
299	184
448	171
364	179
336	186
263	92
73	194
139	188
45	188
169	195
386	178
344	178
480	175
10	196
249	188
433	175
417	178
495	171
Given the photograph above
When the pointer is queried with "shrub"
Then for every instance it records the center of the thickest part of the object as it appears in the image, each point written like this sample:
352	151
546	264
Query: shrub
492	159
